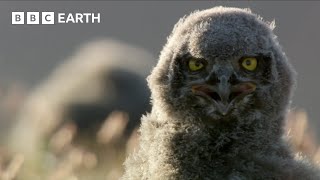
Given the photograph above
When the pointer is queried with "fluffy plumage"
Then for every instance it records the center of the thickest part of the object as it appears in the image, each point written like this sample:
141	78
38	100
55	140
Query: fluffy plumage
187	135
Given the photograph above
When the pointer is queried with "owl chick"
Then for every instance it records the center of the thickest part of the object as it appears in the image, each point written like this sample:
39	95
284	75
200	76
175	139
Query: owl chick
220	93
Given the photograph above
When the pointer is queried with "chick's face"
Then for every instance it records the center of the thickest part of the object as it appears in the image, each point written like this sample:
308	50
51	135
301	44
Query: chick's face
219	88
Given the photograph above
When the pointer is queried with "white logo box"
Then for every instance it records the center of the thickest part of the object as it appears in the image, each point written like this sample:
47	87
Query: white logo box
32	18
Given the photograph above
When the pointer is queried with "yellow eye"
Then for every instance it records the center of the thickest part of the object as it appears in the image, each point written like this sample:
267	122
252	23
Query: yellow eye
195	64
249	63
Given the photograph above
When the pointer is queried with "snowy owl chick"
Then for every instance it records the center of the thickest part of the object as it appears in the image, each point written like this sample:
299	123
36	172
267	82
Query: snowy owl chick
220	94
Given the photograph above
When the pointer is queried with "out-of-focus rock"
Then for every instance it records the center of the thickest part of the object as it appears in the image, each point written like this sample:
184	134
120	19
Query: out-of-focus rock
101	77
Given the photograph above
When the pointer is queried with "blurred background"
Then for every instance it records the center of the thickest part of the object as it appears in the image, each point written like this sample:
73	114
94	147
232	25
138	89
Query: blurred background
71	95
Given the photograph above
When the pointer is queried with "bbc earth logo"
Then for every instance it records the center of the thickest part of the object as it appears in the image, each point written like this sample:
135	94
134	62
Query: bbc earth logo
54	18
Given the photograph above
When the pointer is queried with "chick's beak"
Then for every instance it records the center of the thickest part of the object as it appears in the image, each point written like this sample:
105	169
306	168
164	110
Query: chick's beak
223	94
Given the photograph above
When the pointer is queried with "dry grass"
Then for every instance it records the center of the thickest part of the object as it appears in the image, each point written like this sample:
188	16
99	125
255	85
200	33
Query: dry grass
302	136
65	159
